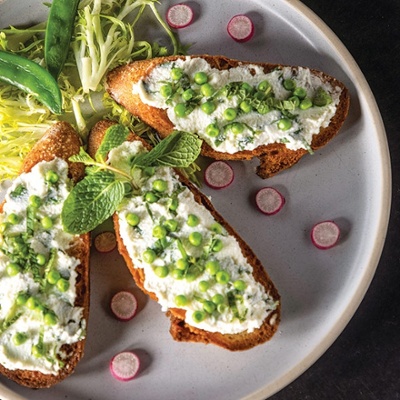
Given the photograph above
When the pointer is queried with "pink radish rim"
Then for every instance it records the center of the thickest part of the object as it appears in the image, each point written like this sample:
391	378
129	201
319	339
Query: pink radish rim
334	234
122	299
278	197
179	10
213	181
127	359
238	26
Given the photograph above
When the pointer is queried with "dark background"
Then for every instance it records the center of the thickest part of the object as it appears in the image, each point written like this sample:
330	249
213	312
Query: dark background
364	362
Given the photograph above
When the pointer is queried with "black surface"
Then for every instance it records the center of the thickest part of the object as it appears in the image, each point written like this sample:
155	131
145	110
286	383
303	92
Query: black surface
364	362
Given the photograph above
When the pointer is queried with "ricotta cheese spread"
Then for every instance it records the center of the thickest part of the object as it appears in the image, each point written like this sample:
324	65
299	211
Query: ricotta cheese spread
259	106
37	276
189	260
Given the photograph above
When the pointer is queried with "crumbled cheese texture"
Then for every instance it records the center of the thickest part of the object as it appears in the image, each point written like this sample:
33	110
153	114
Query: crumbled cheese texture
29	340
259	128
242	310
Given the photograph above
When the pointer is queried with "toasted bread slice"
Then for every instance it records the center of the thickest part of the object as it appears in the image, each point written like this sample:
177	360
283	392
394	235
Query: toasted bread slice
180	329
60	141
274	157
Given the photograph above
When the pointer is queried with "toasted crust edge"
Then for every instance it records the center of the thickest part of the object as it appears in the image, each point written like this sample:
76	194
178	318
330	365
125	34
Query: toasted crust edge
62	141
273	158
179	329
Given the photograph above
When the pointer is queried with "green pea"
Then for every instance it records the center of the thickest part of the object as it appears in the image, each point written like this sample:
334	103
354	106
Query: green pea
237	128
198	316
171	225
200	78
284	124
166	90
209	307
41	259
181	300
212	267
149	256
22	298
263	86
51	176
300	92
46	222
216	228
53	276
13	269
321	98
239	285
207	90
182	264
212	130
161	271
35	201
245	106
62	285
13	219
188	94
217	245
208	107
305	104
195	239
151	197
204	286
173	205
230	114
193	220
218	299
160	185
222	277
132	219
176	73
295	100
37	351
289	84
180	110
50	318
247	87
32	303
159	232
149	171
19	338
177	273
221	308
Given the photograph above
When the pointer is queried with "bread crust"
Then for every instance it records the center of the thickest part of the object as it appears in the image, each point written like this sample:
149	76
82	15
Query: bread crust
273	157
61	141
179	329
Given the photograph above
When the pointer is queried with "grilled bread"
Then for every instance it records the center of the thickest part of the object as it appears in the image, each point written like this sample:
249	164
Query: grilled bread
180	329
59	143
128	86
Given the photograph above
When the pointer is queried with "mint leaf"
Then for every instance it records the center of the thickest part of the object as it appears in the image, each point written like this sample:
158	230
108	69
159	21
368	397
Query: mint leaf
91	201
179	149
115	135
82	157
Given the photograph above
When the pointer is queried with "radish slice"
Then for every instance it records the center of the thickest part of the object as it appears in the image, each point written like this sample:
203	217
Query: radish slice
325	235
105	242
124	305
179	16
269	201
218	175
124	366
240	28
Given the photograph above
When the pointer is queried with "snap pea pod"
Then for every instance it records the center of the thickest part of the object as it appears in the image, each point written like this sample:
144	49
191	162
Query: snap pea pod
59	29
30	77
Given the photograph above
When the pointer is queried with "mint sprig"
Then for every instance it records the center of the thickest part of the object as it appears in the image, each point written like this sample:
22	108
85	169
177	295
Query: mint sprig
96	197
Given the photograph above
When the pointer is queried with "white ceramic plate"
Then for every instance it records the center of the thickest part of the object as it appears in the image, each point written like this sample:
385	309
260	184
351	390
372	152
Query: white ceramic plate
348	181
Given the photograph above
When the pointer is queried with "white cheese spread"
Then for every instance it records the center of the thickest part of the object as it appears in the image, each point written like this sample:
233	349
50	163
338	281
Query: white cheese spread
37	276
256	128
178	266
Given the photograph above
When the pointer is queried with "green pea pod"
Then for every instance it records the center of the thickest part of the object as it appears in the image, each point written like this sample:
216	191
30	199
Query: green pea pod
30	77
59	29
